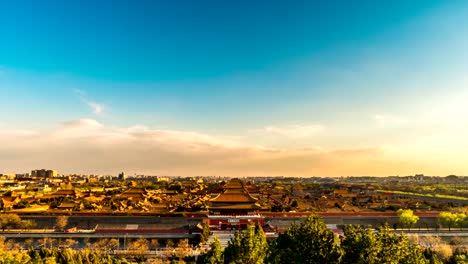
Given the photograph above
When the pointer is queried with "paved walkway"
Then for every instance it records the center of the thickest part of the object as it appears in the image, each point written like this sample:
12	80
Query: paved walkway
223	236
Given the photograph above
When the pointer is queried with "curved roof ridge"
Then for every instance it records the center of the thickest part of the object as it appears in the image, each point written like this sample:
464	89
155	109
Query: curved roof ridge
228	195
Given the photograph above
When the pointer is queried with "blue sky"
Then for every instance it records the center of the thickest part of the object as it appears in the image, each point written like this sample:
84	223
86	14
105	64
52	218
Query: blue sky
186	40
322	75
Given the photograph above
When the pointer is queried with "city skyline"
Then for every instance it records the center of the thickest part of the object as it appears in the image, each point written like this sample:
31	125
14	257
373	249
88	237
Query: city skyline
265	88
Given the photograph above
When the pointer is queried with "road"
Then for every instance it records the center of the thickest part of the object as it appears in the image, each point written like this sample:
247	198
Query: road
100	235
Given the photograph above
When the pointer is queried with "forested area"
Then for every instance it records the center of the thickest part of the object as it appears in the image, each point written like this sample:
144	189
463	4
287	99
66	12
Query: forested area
55	255
312	242
307	242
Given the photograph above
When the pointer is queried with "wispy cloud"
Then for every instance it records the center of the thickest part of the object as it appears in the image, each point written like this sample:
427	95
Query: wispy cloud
85	145
292	131
80	128
177	139
81	123
97	108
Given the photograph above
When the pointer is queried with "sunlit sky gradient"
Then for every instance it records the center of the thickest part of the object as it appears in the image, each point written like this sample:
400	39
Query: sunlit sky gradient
299	88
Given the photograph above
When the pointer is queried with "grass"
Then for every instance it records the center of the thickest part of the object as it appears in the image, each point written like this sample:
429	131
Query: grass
443	196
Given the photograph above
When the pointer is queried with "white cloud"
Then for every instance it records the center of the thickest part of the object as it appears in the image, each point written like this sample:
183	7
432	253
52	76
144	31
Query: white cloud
87	146
77	128
175	139
81	123
97	108
387	119
292	131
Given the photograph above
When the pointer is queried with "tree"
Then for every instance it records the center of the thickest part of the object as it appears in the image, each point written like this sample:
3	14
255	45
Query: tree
27	224
69	243
461	217
378	246
407	218
102	245
65	255
247	246
460	256
309	242
205	232
214	255
2	242
114	243
61	222
397	248
46	242
22	204
183	249
154	243
8	221
28	243
12	245
169	251
443	251
450	220
359	245
169	243
140	246
431	241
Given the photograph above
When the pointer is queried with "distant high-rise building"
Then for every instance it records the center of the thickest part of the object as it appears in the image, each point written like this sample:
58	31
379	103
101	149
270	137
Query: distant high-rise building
38	173
51	173
43	173
122	176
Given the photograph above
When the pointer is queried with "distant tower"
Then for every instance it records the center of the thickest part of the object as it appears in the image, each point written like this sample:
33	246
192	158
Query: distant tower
51	173
122	176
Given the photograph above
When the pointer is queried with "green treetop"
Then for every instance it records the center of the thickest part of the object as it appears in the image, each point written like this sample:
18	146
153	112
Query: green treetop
247	247
309	242
407	218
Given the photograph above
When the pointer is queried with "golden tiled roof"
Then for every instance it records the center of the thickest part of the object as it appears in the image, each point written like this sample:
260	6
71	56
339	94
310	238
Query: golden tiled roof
234	192
234	197
135	190
235	206
64	192
234	184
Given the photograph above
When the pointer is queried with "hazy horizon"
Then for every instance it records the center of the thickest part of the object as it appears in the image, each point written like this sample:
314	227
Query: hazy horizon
244	88
135	174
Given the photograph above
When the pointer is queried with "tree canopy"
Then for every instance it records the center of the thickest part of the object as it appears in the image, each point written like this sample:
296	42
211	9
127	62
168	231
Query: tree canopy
61	222
309	242
407	218
10	221
312	242
214	254
450	220
378	246
248	246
